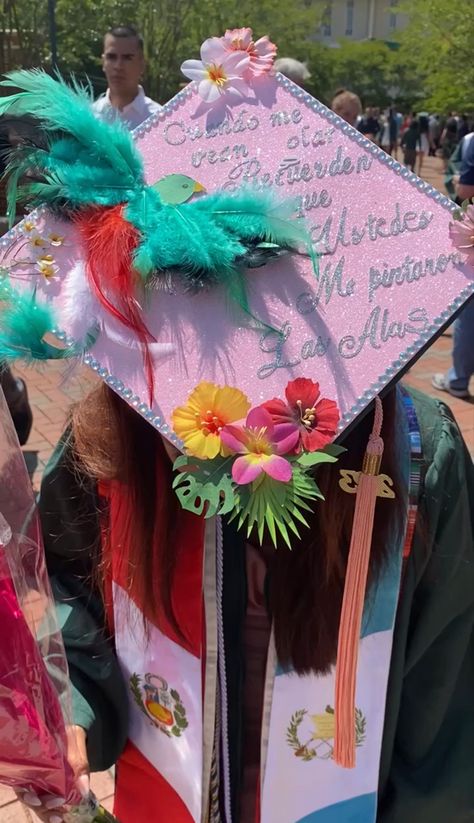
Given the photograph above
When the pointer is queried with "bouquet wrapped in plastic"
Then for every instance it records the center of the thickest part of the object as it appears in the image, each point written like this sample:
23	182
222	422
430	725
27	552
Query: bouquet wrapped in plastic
34	684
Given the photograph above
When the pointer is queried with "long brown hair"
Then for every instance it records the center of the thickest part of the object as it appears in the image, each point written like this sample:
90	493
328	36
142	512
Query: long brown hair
306	584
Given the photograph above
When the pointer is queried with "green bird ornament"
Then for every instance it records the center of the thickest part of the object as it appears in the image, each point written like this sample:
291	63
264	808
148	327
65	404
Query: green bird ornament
175	189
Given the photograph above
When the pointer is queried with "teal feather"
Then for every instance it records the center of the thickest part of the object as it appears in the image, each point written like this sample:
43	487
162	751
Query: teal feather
24	324
207	240
249	215
88	162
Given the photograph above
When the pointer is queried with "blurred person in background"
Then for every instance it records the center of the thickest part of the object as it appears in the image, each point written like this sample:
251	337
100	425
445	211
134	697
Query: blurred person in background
463	127
296	71
123	63
347	105
424	146
449	138
385	132
410	143
451	178
456	380
434	133
369	125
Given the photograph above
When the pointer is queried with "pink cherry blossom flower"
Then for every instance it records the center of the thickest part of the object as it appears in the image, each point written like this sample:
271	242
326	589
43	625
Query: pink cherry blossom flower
262	53
219	71
261	445
314	417
462	234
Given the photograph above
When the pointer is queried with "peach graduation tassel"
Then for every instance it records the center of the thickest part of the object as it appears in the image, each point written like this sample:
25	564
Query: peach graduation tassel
354	596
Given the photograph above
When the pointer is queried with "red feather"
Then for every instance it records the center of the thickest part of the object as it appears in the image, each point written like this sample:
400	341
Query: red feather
109	241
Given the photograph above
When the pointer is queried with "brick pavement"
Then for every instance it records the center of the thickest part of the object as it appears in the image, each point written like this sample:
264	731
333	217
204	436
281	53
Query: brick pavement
51	397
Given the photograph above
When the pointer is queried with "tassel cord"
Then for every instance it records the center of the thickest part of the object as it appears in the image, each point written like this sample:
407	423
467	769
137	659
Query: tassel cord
354	596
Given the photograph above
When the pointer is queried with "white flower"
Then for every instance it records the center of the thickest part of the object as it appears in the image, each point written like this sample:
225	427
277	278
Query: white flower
219	71
45	266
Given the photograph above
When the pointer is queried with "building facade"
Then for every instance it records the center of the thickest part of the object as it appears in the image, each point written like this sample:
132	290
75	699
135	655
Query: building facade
360	20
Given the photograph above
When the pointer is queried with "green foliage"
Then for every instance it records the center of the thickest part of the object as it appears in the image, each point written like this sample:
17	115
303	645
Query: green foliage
437	45
205	486
172	31
433	67
373	70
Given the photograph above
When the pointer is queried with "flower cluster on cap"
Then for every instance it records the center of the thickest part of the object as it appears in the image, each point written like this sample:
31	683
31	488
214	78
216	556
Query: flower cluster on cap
229	65
261	440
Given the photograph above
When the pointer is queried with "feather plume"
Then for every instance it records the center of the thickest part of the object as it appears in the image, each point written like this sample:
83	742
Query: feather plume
25	323
208	240
254	215
80	312
109	242
86	161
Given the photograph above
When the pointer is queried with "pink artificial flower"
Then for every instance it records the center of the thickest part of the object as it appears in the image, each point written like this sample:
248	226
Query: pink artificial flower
462	234
260	444
219	71
314	417
262	53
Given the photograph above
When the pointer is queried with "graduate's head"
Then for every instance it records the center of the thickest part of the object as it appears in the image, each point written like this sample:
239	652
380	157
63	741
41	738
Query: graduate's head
123	61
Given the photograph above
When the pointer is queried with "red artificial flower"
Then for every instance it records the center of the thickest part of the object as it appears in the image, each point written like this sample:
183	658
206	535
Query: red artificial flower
315	417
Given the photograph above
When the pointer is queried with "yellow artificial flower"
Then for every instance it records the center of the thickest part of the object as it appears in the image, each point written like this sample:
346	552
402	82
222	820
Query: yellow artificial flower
324	726
28	226
199	423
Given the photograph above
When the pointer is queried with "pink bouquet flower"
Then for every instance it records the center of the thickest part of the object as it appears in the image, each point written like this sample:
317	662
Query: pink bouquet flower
462	232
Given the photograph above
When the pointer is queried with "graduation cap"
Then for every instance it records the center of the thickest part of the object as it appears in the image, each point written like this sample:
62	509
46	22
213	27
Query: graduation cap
248	272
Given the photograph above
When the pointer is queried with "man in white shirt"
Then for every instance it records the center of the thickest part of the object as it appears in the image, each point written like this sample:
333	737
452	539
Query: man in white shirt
123	63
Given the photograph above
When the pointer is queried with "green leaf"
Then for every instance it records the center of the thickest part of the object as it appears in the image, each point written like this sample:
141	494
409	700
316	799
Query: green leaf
334	449
329	454
206	487
309	459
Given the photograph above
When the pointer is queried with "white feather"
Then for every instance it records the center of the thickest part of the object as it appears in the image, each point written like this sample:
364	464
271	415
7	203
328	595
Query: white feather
82	313
80	310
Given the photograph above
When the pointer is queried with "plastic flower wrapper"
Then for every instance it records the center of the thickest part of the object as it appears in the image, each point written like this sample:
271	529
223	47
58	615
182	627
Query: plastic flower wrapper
462	231
258	469
34	685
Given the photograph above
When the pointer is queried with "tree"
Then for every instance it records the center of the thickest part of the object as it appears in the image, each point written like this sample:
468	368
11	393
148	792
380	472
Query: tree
437	44
22	33
173	31
373	70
